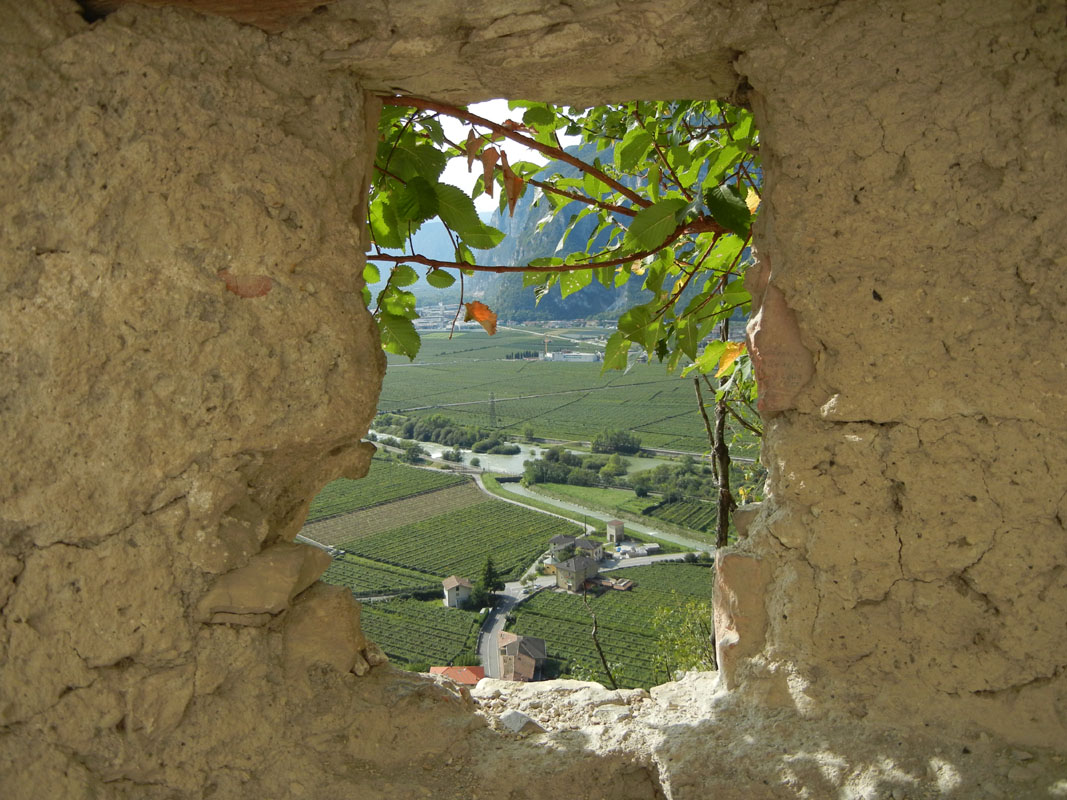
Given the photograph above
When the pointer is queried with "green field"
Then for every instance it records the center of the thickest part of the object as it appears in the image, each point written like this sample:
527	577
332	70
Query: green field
457	542
624	621
421	632
570	401
366	578
386	481
697	515
596	497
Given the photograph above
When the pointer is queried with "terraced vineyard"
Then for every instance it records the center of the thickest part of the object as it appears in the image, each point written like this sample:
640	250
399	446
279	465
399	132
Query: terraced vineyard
420	631
366	578
624	620
387	481
457	542
695	514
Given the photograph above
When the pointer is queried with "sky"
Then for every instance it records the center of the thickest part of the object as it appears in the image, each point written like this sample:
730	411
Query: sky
456	171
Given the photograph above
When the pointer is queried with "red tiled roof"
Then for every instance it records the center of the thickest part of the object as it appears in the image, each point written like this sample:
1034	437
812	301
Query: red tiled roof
469	676
451	582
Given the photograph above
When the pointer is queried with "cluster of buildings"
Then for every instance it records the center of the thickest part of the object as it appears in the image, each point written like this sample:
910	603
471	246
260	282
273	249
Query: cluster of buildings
575	562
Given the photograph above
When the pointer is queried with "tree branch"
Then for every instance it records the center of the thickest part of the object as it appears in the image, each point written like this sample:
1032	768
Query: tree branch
553	152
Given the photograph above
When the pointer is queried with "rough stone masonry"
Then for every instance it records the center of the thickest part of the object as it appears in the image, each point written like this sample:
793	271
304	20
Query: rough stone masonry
185	360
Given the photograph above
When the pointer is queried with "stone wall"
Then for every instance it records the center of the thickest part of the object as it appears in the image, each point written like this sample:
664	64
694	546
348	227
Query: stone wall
185	359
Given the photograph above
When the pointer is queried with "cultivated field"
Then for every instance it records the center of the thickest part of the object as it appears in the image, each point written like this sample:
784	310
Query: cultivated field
420	632
385	482
624	621
386	516
569	401
697	515
366	578
457	542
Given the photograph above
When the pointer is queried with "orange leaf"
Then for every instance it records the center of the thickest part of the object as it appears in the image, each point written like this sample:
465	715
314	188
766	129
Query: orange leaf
472	148
480	313
517	127
729	356
489	159
246	285
513	184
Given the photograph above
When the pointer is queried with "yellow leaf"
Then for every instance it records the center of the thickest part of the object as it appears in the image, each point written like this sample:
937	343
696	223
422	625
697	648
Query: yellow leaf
481	313
752	201
729	356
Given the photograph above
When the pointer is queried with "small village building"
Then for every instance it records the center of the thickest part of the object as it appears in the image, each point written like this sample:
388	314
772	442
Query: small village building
574	572
521	657
616	531
589	549
560	542
468	676
457	591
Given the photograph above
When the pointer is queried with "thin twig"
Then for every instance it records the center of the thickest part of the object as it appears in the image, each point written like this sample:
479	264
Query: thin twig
533	144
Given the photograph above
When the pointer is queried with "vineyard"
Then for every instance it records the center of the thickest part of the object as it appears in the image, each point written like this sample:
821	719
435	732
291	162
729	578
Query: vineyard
387	481
366	578
457	542
387	516
624	621
559	400
421	632
695	514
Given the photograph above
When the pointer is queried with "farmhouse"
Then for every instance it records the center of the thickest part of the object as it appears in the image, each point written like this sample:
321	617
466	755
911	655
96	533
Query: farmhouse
574	572
521	657
560	543
457	591
589	548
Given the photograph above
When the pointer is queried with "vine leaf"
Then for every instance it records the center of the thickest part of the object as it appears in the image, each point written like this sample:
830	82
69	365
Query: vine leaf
479	312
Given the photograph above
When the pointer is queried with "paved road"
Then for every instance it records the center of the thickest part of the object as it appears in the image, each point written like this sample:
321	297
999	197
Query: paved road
577	509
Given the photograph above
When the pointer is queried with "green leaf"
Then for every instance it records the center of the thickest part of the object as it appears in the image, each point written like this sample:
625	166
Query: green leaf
398	335
728	208
439	279
653	182
410	160
571	282
548	261
687	337
651	226
708	361
384	225
417	201
458	212
726	158
371	273
403	275
635	144
538	115
616	353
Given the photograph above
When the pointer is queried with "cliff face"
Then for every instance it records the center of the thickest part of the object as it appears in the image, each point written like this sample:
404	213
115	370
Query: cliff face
185	359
